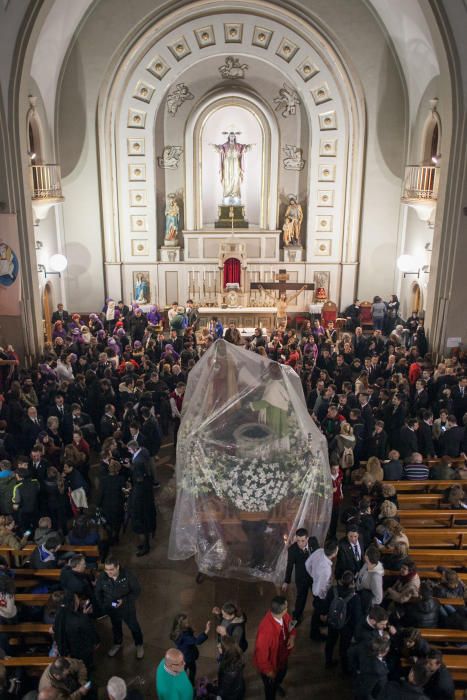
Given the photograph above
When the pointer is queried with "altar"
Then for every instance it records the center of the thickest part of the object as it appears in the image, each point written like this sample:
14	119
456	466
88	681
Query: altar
242	316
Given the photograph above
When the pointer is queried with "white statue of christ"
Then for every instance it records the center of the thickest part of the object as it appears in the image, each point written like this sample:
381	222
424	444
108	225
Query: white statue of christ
232	167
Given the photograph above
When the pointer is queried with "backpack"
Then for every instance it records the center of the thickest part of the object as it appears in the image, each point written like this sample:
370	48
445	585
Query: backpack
347	460
337	614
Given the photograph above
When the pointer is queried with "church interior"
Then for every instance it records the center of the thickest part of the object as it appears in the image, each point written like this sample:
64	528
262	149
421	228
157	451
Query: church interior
273	162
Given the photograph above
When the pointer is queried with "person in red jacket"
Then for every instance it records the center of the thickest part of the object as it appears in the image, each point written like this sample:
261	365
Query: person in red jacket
275	640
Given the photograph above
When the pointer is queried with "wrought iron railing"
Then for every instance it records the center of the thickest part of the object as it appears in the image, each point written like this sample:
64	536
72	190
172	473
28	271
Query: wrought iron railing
46	182
421	183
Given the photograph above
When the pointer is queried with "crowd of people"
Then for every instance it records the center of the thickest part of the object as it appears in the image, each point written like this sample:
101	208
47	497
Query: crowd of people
105	394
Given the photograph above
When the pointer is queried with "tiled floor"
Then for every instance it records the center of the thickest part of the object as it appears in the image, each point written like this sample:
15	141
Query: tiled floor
169	588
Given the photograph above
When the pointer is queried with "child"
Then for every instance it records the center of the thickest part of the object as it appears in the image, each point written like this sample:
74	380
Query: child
231	623
187	642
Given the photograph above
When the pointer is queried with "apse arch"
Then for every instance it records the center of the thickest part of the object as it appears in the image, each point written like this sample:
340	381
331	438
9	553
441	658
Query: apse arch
331	98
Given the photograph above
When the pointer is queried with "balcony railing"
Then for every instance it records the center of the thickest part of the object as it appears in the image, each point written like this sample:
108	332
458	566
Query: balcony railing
421	183
46	182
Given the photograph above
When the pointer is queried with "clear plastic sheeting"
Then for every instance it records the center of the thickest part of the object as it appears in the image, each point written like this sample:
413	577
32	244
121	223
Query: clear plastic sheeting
252	466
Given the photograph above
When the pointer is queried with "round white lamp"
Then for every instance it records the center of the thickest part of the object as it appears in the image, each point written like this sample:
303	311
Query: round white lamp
407	263
58	263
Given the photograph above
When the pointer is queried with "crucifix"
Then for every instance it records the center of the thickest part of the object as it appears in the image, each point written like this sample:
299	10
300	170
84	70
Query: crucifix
282	285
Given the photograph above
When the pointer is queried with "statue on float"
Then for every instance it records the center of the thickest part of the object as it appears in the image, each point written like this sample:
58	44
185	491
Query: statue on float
252	466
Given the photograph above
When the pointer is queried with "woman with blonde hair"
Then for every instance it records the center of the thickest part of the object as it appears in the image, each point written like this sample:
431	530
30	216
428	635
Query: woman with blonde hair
373	467
395	534
388	510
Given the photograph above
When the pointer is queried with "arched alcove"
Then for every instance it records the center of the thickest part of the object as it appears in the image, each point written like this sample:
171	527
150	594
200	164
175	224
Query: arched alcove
264	175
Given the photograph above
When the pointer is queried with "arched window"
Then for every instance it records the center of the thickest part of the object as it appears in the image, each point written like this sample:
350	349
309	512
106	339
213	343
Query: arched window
431	140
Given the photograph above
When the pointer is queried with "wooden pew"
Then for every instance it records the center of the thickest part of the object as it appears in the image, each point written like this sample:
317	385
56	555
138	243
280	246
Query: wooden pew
420	501
437	537
429	485
430	558
10	553
32	598
37	574
431	575
427	517
38	662
26	628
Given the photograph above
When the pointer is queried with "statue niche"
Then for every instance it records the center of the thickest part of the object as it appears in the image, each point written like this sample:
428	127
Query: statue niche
232	266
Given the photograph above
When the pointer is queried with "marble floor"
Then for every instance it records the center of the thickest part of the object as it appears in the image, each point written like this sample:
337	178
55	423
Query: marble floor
169	587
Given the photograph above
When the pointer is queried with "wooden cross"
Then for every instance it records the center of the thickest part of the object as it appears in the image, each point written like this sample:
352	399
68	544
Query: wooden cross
282	285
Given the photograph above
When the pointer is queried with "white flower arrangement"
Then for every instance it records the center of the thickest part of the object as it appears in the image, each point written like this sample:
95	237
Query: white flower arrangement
253	485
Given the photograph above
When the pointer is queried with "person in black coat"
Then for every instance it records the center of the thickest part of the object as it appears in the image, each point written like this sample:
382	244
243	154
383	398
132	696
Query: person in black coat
451	440
407	442
74	630
440	685
297	555
394	469
111	499
108	422
350	552
425	434
60	315
151	432
372	670
230	681
141	505
410	689
377	445
459	399
424	612
30	429
394	420
345	589
372	626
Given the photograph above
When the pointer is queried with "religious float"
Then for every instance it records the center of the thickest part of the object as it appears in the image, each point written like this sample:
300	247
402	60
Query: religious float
252	466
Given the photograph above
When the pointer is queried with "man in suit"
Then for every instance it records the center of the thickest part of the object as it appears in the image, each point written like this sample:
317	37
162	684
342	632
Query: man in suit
425	434
374	370
395	419
407	442
360	344
192	314
372	671
31	428
420	398
77	419
451	441
59	410
350	552
60	315
140	457
367	417
150	431
109	423
297	555
459	398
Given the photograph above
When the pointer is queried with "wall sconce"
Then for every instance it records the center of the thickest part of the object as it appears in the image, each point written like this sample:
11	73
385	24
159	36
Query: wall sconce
408	264
57	262
38	245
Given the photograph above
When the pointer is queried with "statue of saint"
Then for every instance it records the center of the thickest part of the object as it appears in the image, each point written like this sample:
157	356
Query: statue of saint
232	167
141	289
172	219
292	223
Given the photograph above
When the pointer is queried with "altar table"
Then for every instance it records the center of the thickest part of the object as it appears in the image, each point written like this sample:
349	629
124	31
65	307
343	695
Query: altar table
242	316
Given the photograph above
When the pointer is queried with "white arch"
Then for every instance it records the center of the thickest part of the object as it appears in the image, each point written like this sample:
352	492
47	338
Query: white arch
270	156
